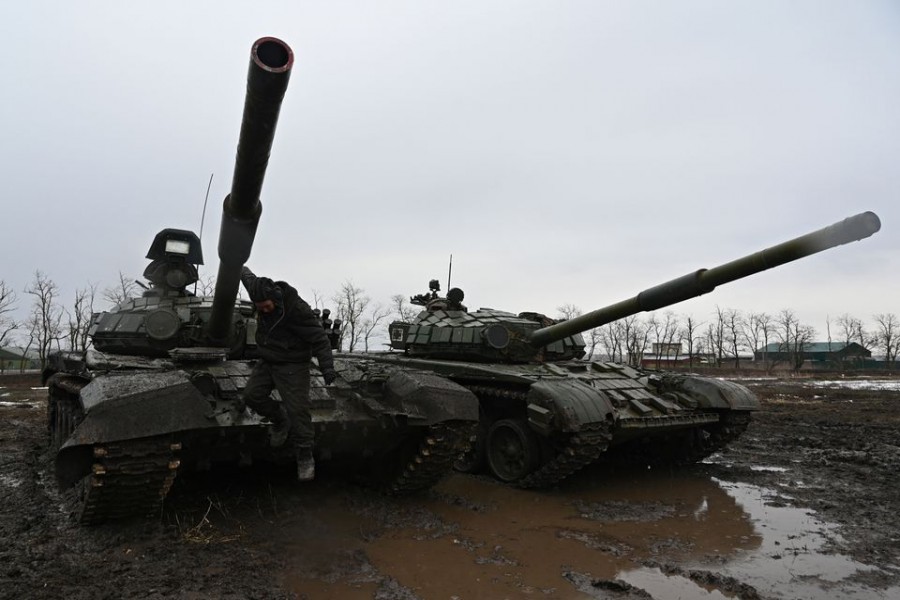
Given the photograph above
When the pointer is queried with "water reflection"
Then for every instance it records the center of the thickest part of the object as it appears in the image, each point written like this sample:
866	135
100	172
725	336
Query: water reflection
673	535
788	562
488	540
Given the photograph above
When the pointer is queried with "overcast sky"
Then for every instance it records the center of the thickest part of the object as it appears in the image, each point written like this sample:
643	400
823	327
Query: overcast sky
563	152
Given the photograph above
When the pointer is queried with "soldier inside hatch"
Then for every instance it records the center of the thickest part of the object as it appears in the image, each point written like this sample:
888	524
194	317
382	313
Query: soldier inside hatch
287	336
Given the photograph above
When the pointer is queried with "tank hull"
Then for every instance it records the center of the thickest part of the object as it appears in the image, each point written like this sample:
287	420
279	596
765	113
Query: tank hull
541	422
123	434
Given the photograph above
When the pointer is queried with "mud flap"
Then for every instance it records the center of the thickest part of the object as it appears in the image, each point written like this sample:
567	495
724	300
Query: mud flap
716	393
566	405
156	404
428	399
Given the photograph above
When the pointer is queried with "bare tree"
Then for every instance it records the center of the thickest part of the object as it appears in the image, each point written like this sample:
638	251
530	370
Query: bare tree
670	331
46	316
663	330
594	337
369	322
612	338
80	317
759	330
32	328
405	311
793	337
568	311
735	325
803	336
690	336
715	336
851	330
785	324
888	336
7	308
637	337
124	290
205	286
351	304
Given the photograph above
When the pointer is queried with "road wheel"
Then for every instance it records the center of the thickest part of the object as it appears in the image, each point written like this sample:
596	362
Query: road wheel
513	450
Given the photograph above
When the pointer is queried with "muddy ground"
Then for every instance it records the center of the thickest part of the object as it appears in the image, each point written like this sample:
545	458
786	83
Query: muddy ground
805	505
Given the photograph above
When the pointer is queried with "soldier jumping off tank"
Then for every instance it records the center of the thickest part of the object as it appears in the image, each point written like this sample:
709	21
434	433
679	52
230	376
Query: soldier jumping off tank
287	336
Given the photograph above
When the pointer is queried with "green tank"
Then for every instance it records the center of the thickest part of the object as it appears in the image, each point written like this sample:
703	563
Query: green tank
545	413
158	393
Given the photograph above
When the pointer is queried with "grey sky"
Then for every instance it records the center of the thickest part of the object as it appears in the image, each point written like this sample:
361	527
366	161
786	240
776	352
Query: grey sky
563	152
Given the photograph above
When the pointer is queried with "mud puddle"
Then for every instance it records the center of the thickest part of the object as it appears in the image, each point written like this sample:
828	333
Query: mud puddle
791	560
601	536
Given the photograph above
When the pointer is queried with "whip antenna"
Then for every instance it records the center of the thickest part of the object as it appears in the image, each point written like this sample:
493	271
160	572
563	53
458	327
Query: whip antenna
205	200
203	218
449	271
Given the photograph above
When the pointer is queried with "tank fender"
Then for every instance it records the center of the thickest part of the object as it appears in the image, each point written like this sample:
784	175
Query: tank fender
428	399
713	393
119	408
566	405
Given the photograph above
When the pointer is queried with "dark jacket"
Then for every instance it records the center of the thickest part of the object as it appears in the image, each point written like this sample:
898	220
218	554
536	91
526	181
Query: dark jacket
291	333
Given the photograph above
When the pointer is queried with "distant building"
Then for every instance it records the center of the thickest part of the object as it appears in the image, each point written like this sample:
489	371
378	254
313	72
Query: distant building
817	352
652	361
661	349
15	359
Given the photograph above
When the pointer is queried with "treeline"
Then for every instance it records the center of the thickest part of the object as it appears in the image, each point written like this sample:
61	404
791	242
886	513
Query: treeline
730	334
54	323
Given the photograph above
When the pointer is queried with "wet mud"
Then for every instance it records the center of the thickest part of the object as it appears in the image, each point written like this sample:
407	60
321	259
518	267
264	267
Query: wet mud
804	505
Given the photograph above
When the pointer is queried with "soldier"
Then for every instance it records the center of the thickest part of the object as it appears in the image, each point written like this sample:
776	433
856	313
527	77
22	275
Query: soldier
287	336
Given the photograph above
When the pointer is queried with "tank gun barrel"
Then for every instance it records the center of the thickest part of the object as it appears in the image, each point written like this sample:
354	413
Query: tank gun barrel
700	282
270	67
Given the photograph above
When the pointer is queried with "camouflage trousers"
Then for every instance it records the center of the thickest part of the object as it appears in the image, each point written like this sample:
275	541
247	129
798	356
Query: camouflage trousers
292	382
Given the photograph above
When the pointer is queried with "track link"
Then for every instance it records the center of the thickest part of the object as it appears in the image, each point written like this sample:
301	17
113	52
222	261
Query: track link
581	449
442	444
128	479
730	427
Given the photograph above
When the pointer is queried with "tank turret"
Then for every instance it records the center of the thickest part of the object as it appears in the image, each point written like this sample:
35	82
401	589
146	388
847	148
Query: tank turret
168	318
445	329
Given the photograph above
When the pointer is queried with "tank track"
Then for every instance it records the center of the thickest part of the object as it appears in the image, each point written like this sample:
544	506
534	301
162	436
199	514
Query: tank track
579	449
731	426
128	478
442	444
703	442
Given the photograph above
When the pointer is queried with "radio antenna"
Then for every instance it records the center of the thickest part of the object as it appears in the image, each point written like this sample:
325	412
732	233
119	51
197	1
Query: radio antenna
449	271
205	200
203	218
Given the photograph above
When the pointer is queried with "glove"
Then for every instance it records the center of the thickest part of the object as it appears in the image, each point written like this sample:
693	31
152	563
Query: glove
329	376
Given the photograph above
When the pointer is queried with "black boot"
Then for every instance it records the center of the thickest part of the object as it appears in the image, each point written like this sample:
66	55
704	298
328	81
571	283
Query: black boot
281	427
306	464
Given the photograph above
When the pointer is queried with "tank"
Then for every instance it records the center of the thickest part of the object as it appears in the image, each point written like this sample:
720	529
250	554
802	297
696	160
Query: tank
158	392
545	413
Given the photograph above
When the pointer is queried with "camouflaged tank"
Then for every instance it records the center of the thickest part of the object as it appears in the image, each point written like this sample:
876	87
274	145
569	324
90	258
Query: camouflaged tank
545	413
157	394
